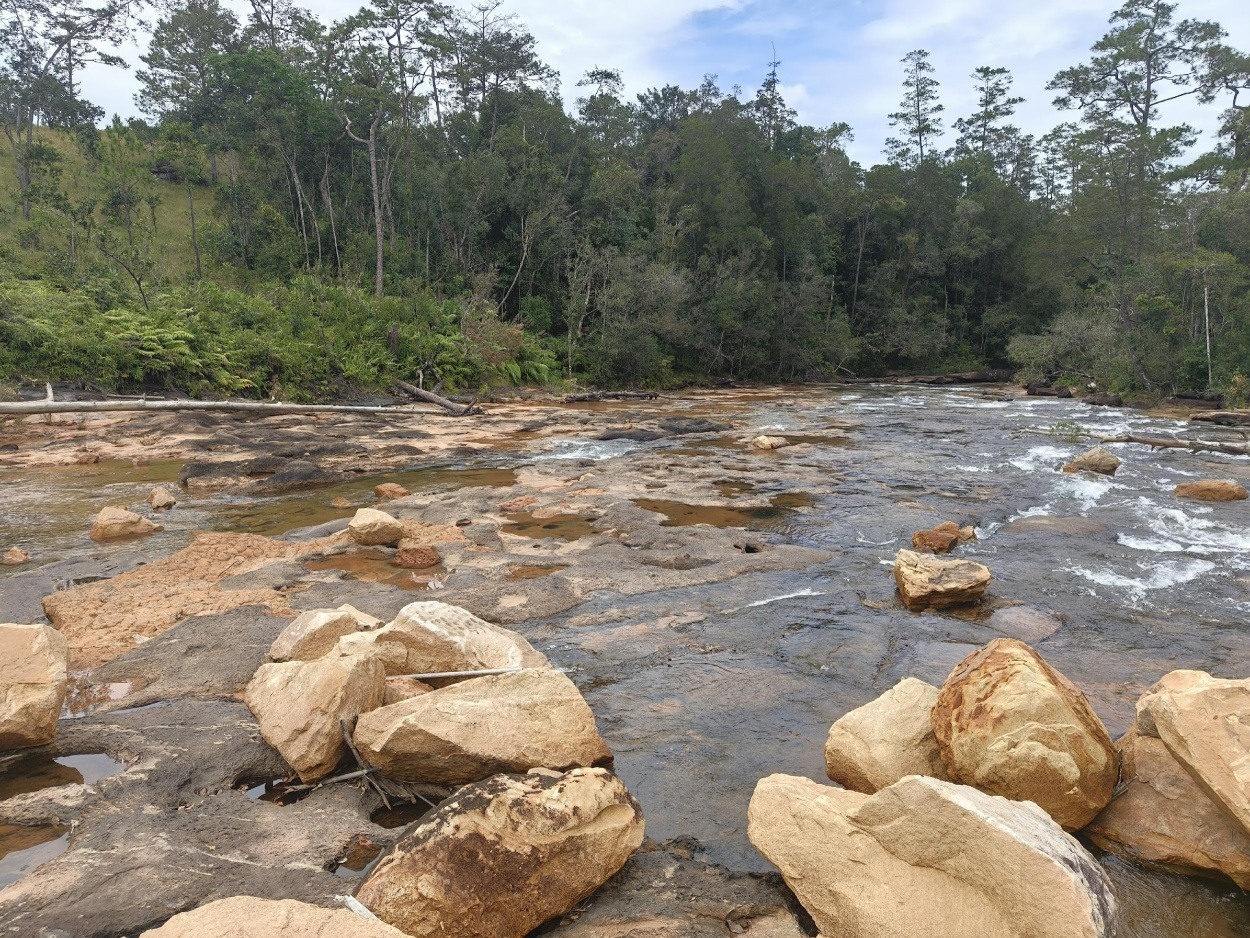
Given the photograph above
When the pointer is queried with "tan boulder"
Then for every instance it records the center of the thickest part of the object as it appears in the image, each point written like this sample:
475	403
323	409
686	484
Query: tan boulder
315	633
373	528
1163	817
161	499
340	502
769	442
390	490
1008	723
434	637
248	917
926	857
1205	723
1099	460
299	704
1212	490
884	740
499	858
401	688
477	728
940	539
925	582
413	555
14	557
33	682
113	524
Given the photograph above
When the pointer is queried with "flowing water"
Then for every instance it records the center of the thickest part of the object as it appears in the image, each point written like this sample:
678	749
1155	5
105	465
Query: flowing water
702	691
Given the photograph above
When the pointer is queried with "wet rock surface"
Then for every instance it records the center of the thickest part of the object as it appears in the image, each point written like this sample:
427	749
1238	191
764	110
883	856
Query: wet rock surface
706	665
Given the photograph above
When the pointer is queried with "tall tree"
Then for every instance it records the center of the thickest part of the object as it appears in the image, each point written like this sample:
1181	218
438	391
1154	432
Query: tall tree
919	118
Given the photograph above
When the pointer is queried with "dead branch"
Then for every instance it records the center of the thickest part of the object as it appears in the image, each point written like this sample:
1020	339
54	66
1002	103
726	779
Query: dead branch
1224	418
261	408
456	410
592	396
1194	446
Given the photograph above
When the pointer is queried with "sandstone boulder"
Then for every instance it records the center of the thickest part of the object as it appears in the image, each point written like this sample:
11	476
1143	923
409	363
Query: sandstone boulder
14	557
925	582
940	539
413	555
373	528
885	740
400	688
926	857
769	442
434	637
477	728
314	634
1010	724
498	859
389	490
1205	723
113	524
1098	459
1212	490
1163	817
161	499
298	705
248	917
340	502
33	682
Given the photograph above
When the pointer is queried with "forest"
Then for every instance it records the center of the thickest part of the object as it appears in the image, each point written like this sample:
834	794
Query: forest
314	209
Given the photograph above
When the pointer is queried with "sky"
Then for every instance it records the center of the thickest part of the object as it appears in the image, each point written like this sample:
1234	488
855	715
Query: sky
839	58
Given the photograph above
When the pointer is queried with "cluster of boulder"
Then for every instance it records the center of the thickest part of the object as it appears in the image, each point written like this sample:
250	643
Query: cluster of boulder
439	697
373	528
958	803
1104	462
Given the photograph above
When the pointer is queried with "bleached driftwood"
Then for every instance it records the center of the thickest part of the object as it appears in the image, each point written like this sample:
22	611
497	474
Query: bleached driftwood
421	394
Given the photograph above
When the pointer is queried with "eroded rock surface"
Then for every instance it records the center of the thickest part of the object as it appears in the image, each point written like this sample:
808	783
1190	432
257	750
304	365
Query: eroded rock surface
498	859
249	917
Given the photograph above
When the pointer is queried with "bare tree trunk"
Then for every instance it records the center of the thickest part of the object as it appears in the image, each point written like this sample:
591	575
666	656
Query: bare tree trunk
195	241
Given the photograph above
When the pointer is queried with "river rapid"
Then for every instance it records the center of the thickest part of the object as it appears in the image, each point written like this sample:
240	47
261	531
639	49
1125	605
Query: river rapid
704	687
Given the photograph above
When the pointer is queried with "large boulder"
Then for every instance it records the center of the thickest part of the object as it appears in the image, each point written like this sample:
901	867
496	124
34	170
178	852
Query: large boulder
434	637
468	731
926	857
1161	816
114	524
299	704
925	582
390	490
1010	724
1213	490
498	859
248	917
413	555
1205	723
314	634
1099	460
884	740
33	682
161	498
373	528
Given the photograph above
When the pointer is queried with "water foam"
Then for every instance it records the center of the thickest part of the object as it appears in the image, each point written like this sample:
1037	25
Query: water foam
1157	576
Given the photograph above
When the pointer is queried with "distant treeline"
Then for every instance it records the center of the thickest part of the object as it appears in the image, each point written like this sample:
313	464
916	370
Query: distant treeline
314	207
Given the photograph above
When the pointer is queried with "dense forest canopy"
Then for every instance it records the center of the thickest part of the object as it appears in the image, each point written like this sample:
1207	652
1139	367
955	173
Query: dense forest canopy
316	206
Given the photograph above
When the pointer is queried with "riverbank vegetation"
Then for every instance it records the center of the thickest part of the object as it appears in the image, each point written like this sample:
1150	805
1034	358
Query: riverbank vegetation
313	208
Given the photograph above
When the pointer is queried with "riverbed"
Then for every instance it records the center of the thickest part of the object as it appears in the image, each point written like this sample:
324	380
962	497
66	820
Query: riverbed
718	606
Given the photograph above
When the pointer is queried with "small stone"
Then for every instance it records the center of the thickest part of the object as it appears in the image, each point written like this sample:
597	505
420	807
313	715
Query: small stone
413	555
373	528
162	499
390	490
340	502
925	582
1212	490
938	540
113	524
1098	459
14	557
769	442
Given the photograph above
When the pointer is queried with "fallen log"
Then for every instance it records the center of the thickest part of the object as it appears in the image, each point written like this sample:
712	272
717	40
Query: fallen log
1194	446
1224	418
592	396
421	394
263	408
